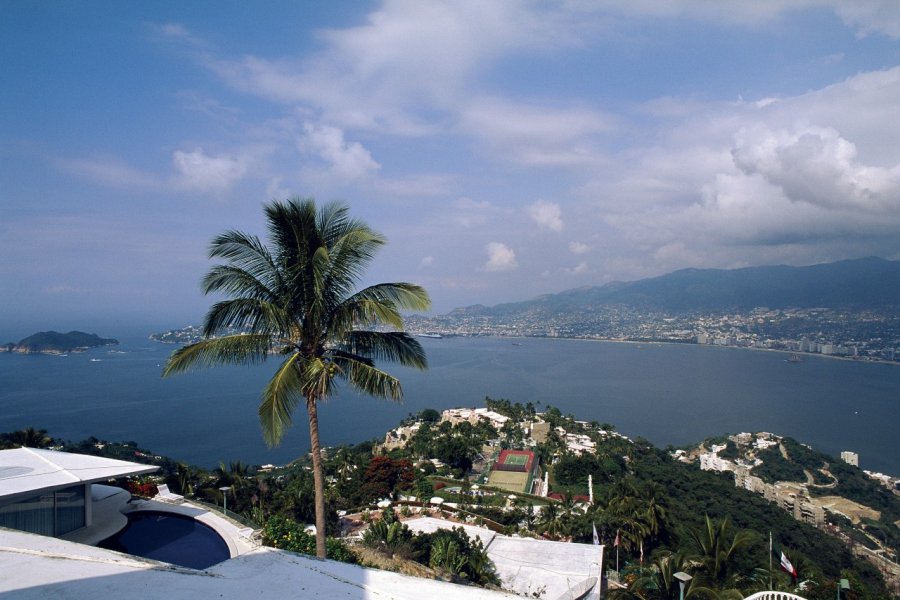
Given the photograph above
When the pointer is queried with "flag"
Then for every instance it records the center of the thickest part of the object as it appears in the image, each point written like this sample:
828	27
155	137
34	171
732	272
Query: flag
596	537
787	566
617	538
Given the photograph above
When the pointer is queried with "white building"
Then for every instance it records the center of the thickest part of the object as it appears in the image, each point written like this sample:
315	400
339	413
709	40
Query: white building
851	458
473	415
50	493
710	461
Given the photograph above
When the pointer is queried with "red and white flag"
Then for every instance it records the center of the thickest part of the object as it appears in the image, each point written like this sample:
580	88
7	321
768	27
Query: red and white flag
787	566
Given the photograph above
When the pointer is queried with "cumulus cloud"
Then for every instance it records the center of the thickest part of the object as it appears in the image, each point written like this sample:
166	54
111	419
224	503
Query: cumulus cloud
794	179
578	247
203	172
818	166
500	257
546	214
349	160
579	269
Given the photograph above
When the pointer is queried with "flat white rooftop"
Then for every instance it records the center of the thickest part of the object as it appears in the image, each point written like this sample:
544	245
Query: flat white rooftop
37	567
24	470
528	566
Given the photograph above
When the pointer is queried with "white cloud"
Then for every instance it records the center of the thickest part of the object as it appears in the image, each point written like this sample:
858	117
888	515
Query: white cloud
578	247
533	134
202	172
868	16
427	261
795	179
109	171
546	214
818	166
470	213
348	160
274	189
872	16
579	269
500	257
415	185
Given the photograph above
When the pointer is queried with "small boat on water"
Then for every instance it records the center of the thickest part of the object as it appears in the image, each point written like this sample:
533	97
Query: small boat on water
794	358
436	336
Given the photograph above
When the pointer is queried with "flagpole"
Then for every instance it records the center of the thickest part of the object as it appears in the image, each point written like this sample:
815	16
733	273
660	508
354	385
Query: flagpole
617	554
770	559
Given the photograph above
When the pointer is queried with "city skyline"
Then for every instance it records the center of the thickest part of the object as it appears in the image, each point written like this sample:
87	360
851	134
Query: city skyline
505	150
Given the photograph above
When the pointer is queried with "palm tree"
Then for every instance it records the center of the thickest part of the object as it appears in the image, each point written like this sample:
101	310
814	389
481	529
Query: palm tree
717	551
296	298
658	582
31	438
653	500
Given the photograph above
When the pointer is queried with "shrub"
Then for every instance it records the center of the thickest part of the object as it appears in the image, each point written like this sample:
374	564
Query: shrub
286	534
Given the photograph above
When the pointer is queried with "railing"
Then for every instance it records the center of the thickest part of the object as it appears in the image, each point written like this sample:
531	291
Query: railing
772	595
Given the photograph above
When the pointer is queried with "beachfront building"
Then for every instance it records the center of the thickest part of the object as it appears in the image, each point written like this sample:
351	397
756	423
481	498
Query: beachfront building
517	471
53	493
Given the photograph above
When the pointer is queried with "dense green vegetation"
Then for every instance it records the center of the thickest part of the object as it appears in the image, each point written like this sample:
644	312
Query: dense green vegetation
776	467
53	341
448	551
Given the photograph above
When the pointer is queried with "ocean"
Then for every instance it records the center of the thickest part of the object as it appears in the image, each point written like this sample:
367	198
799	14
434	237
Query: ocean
667	393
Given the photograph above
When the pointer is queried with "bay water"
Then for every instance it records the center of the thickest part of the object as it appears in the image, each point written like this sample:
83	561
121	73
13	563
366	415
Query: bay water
668	393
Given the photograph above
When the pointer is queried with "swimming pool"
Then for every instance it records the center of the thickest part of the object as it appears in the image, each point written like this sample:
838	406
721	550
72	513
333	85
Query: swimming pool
171	538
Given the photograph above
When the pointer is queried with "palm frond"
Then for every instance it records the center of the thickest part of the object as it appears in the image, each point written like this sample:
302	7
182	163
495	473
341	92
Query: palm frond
381	303
281	396
234	281
401	294
248	253
370	380
351	253
257	315
392	346
228	350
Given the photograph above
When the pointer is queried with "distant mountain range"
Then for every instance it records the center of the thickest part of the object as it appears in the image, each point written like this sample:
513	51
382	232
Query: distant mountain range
52	342
865	283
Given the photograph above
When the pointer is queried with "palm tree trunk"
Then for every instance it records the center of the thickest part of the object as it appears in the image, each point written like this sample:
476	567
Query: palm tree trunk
318	480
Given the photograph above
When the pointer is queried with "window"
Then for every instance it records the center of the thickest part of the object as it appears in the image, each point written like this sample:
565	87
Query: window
49	513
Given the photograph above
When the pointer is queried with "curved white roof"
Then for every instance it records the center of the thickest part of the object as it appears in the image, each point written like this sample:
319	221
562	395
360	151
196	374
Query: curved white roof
24	470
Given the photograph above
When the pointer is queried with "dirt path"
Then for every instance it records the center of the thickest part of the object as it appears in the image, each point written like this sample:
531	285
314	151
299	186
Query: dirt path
783	451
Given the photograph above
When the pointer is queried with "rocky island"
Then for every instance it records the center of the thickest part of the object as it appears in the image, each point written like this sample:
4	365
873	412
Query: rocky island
53	342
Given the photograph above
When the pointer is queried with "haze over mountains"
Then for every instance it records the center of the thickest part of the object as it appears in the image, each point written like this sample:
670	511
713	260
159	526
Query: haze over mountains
860	284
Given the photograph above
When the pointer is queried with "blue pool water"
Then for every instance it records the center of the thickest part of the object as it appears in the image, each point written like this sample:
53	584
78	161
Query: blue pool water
170	538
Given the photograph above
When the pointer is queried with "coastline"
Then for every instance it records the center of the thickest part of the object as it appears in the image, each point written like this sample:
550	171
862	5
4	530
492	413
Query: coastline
854	359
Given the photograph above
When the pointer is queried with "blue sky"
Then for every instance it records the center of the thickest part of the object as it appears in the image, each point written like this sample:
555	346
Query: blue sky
506	149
